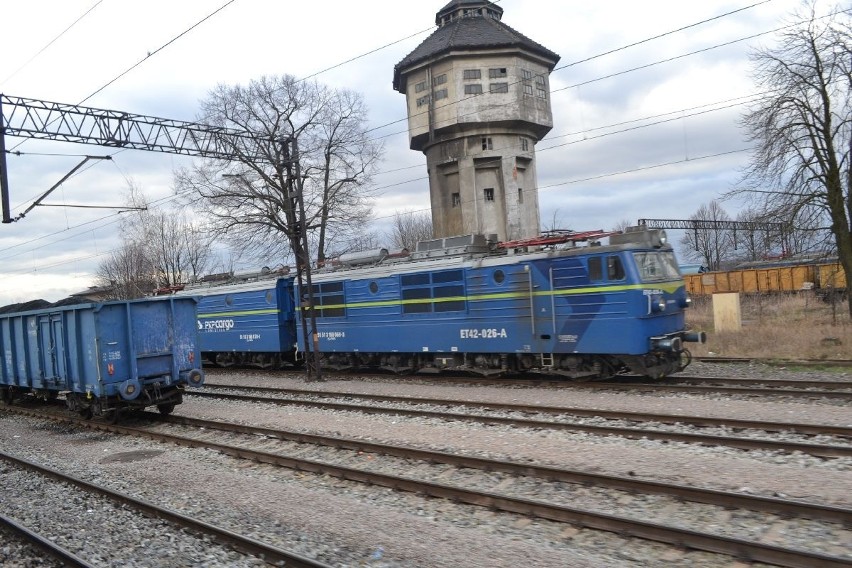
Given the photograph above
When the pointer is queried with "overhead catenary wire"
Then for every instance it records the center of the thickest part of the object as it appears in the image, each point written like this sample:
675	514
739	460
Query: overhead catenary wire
51	42
611	51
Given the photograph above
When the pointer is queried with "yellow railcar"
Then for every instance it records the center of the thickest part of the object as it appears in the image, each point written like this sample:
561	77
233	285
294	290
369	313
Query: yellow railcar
767	280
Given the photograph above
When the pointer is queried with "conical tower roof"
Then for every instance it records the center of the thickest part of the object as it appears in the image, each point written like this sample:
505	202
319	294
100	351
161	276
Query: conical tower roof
468	25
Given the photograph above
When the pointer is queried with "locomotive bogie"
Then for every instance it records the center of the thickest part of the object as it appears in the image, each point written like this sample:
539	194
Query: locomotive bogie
104	357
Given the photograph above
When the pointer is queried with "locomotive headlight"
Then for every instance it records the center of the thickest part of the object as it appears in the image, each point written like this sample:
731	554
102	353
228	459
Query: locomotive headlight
131	388
664	238
658	304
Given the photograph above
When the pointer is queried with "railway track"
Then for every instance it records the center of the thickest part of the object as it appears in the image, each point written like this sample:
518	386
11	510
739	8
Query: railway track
237	542
467	489
841	390
42	544
821	450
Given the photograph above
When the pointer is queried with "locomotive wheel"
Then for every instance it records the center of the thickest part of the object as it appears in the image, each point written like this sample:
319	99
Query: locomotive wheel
166	408
6	395
86	413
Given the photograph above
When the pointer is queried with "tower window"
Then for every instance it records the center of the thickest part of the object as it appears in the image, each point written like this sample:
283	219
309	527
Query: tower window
487	143
442	94
473	89
424	100
488	193
498	87
520	195
472	74
456	199
420	87
540	87
440	79
528	89
525	144
526	74
497	73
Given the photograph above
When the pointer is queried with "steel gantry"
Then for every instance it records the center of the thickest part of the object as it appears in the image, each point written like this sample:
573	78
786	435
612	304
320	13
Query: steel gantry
33	118
696	225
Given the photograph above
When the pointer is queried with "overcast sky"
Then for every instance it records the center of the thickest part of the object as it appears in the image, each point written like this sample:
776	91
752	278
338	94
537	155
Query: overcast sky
595	167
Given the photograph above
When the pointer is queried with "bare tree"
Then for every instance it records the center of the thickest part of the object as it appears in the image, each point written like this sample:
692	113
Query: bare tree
557	223
758	237
801	130
711	245
251	200
159	248
622	225
127	273
410	228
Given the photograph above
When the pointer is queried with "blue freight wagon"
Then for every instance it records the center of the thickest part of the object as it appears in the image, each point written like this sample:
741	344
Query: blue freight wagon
104	357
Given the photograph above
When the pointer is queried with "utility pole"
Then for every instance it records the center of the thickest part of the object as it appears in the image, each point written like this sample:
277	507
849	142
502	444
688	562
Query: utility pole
298	235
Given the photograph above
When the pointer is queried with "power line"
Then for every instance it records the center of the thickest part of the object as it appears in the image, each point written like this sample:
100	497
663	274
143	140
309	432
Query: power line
609	52
51	42
159	49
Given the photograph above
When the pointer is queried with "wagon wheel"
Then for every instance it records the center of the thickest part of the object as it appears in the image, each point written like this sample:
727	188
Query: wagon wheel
86	413
6	395
166	408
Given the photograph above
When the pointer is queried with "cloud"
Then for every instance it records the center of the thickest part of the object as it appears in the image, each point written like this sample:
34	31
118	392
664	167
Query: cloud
55	251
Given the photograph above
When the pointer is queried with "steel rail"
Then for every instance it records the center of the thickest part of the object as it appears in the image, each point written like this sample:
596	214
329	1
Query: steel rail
819	450
737	547
710	496
770	383
62	555
555	382
703	389
776	362
236	541
704	421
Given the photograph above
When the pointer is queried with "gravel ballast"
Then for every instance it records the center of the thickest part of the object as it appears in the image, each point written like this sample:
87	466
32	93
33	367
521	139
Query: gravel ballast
348	524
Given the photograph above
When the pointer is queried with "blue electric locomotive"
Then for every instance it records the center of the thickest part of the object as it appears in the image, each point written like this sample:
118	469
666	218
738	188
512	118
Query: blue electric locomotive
566	306
105	357
463	303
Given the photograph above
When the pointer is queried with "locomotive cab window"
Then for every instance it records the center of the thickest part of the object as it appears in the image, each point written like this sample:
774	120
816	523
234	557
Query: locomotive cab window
656	266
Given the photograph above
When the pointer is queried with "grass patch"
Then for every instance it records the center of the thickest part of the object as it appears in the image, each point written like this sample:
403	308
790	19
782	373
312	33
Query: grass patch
783	327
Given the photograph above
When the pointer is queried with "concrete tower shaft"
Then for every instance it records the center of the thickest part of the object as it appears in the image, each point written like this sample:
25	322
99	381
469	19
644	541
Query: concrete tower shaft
478	101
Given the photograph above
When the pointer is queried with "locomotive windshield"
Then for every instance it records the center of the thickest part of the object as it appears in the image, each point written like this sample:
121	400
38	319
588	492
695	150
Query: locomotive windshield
656	266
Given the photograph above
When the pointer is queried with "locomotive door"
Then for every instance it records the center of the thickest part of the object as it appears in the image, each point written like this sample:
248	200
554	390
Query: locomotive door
541	308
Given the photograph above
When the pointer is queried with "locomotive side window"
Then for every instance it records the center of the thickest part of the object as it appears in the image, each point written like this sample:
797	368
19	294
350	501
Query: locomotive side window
614	268
329	300
269	297
229	300
499	276
595	268
409	307
433	292
374	287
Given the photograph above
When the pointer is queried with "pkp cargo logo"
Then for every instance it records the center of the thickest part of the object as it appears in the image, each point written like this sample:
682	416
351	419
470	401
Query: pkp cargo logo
216	325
